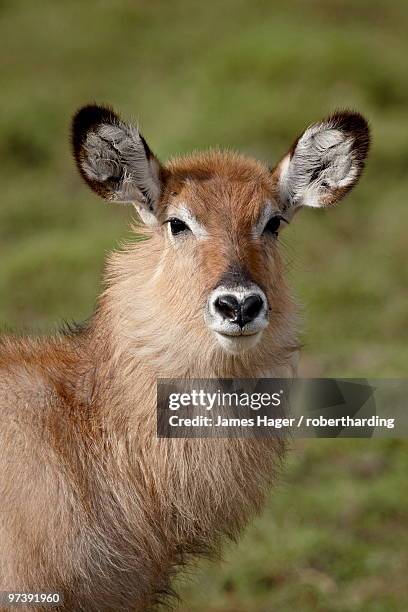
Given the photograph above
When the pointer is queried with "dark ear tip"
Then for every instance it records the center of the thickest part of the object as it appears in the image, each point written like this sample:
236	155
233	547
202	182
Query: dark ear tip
355	124
350	118
86	118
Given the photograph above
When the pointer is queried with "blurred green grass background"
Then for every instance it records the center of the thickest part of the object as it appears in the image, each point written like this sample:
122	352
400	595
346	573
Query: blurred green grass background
248	75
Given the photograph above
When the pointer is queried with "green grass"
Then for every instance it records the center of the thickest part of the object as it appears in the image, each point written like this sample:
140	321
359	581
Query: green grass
250	75
333	537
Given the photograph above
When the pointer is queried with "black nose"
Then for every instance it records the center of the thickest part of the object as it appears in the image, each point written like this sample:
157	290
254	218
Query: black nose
238	311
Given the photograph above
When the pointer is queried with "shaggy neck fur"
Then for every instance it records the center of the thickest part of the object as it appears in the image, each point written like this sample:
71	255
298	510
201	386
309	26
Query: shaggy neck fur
167	499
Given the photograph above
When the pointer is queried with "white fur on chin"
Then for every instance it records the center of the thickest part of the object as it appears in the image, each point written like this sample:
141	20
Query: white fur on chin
238	344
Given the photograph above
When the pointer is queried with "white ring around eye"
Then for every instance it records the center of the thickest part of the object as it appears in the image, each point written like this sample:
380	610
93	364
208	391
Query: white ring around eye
179	225
184	214
266	215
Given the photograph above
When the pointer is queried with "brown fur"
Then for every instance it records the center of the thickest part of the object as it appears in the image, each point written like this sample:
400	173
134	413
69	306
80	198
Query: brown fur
93	504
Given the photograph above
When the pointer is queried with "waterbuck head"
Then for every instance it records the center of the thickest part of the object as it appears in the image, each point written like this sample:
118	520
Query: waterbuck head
215	220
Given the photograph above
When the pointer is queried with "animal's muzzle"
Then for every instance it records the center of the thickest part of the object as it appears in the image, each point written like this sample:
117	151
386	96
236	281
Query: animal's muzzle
237	311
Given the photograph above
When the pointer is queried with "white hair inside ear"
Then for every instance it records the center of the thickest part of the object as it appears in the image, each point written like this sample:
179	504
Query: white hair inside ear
116	161
321	167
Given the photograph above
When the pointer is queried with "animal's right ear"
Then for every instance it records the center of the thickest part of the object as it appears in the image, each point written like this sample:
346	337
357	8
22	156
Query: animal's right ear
115	160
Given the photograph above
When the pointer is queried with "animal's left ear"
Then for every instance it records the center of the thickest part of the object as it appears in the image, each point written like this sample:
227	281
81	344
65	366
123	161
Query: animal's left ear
324	163
115	160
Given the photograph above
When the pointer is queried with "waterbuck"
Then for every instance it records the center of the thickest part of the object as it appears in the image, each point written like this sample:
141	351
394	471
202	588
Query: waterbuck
92	504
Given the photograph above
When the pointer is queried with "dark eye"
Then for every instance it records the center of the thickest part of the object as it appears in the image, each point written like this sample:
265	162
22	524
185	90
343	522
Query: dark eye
273	225
177	226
